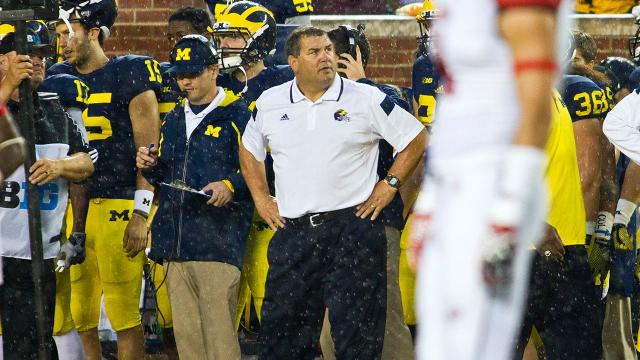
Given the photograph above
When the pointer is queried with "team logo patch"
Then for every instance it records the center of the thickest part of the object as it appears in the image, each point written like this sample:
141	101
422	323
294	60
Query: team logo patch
284	117
341	115
440	90
213	131
183	54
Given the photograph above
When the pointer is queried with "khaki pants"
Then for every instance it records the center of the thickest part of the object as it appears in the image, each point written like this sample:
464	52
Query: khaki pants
397	338
617	336
203	296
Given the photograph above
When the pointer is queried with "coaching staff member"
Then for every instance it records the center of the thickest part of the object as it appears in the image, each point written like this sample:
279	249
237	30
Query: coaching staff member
329	250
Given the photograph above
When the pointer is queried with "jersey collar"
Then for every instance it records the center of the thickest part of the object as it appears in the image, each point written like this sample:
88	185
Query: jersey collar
333	93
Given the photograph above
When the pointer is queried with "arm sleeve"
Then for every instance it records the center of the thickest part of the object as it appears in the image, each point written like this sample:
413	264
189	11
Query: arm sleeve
77	141
253	139
140	74
621	127
392	123
389	91
240	189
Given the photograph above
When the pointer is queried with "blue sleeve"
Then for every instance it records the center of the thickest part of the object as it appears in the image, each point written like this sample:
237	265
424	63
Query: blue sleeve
138	74
585	100
241	191
393	95
72	92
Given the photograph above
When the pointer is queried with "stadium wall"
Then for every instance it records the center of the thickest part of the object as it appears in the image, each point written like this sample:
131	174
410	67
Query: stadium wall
141	25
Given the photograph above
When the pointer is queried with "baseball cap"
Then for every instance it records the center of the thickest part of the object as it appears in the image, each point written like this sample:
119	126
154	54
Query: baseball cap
192	54
34	44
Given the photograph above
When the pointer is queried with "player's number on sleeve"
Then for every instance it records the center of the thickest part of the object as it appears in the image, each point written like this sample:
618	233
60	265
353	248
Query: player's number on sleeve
303	6
426	109
591	104
154	70
83	91
98	127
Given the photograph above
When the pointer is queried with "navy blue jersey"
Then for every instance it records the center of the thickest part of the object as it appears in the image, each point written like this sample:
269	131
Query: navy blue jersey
281	9
268	78
170	94
608	91
72	92
584	99
107	119
425	85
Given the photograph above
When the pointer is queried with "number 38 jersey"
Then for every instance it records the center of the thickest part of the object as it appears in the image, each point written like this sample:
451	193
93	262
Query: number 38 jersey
584	99
107	120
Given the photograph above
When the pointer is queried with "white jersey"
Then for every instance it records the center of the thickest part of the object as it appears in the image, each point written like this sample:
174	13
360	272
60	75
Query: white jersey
14	222
479	108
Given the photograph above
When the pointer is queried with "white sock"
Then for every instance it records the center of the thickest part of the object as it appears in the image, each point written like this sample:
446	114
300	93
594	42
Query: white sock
1	345
69	346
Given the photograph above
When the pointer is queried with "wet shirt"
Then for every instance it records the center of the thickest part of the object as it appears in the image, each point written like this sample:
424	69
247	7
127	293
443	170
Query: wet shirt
425	86
584	99
107	119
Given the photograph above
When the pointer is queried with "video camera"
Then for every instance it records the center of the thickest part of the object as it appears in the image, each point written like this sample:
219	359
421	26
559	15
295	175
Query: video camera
12	10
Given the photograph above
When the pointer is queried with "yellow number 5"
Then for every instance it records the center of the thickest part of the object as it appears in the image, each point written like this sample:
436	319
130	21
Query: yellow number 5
303	6
426	109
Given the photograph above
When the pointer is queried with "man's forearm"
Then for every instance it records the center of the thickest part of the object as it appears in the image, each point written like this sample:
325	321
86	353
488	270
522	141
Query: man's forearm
254	174
533	53
587	136
79	194
77	167
408	158
145	123
631	186
609	190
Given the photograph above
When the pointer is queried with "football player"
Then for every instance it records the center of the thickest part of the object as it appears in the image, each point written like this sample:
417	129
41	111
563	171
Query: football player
245	33
121	115
284	11
425	86
497	134
563	303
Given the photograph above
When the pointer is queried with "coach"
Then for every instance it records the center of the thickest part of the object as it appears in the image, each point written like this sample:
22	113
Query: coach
329	249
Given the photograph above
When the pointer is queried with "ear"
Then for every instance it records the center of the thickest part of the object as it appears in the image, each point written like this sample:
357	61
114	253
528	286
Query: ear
293	62
93	34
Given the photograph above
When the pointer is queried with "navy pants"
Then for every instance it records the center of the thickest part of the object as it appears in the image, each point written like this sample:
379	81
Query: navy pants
18	309
340	265
565	307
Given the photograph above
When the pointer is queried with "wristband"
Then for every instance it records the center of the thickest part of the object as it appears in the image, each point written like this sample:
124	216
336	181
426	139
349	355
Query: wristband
142	201
591	227
624	210
522	174
604	223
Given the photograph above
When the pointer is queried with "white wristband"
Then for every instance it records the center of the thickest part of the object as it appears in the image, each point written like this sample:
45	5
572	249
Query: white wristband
142	201
604	223
624	210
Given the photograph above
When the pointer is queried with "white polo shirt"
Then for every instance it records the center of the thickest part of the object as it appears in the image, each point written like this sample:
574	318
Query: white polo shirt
622	126
325	153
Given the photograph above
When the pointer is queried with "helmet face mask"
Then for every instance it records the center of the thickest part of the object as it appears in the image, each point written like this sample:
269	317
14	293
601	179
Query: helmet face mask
251	22
425	20
634	44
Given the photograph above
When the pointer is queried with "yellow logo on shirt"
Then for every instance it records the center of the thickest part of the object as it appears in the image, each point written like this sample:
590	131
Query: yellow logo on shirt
211	131
183	54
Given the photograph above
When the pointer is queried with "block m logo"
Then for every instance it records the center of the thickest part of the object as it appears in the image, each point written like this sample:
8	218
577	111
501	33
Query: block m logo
123	215
183	54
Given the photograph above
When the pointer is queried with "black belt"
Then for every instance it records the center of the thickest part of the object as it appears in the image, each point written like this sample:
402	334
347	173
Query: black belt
317	219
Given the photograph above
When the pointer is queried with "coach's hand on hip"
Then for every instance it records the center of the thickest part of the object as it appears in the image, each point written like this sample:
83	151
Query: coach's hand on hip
220	193
381	196
267	208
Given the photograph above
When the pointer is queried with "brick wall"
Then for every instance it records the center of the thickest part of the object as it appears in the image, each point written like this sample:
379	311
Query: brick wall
141	24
